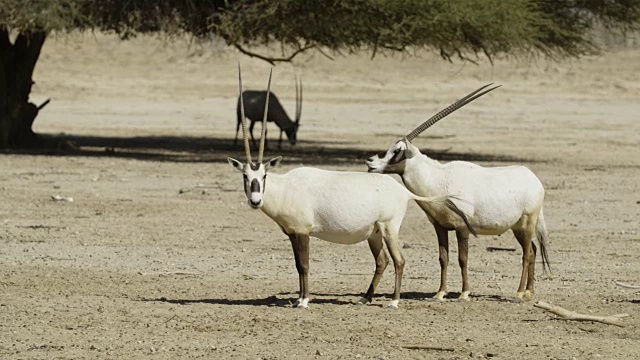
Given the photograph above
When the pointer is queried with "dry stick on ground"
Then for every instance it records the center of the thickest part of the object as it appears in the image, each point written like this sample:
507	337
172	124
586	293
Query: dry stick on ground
565	314
496	248
426	347
628	286
170	273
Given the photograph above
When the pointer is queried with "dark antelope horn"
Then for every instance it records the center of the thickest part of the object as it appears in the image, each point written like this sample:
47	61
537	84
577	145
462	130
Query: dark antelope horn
247	149
264	120
451	108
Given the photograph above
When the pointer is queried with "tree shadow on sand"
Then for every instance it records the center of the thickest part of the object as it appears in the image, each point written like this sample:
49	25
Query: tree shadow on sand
208	149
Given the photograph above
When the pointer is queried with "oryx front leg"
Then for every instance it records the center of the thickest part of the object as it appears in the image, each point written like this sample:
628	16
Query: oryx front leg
300	245
463	254
390	235
443	248
377	249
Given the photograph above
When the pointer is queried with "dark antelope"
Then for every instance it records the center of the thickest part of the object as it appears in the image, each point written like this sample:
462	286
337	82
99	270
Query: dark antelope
254	108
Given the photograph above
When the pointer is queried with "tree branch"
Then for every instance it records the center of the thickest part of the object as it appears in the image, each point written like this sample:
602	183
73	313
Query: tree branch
44	104
375	50
487	54
324	54
445	55
273	60
565	314
464	58
394	48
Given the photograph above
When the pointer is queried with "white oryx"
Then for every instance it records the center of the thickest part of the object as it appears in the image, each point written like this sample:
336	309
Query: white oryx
336	206
495	199
254	108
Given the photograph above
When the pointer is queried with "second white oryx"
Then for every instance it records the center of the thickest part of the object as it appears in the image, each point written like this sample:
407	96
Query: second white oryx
496	199
336	206
254	108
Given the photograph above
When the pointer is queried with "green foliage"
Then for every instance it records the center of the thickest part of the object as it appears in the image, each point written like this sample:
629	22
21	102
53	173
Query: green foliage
461	28
555	28
41	15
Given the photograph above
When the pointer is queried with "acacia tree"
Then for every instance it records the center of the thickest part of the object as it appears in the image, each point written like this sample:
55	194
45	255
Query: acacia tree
462	29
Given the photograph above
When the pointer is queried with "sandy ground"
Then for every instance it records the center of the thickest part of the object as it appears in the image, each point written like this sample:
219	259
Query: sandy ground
159	256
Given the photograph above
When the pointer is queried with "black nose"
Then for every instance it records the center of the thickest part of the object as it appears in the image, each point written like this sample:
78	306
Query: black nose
254	203
370	159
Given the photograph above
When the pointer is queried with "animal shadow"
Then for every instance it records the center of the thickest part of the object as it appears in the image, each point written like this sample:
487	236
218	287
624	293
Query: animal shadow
326	298
267	301
453	296
273	301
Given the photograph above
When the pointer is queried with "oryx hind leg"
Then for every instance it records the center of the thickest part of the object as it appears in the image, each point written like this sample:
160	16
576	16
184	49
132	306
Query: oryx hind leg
524	236
443	249
382	260
390	236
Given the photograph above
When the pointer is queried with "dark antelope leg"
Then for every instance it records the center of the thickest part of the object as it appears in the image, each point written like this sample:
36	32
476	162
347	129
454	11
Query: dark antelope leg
377	249
524	238
300	245
463	254
253	140
237	129
443	244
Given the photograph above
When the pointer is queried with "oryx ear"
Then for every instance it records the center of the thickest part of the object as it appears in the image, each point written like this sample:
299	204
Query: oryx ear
235	164
273	162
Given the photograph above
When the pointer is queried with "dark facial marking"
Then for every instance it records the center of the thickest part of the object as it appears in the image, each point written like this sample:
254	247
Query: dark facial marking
246	182
254	167
382	155
398	156
255	185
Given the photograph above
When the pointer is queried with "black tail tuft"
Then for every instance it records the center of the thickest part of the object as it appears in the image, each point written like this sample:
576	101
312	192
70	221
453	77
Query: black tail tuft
541	234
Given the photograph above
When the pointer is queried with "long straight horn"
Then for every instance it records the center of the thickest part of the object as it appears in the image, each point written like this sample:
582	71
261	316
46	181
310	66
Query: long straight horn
247	149
298	99
263	136
451	108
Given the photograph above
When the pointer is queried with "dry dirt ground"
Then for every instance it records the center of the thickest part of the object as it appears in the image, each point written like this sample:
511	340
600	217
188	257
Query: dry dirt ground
159	256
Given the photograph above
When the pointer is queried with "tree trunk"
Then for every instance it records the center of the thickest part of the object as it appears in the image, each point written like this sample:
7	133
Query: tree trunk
17	62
